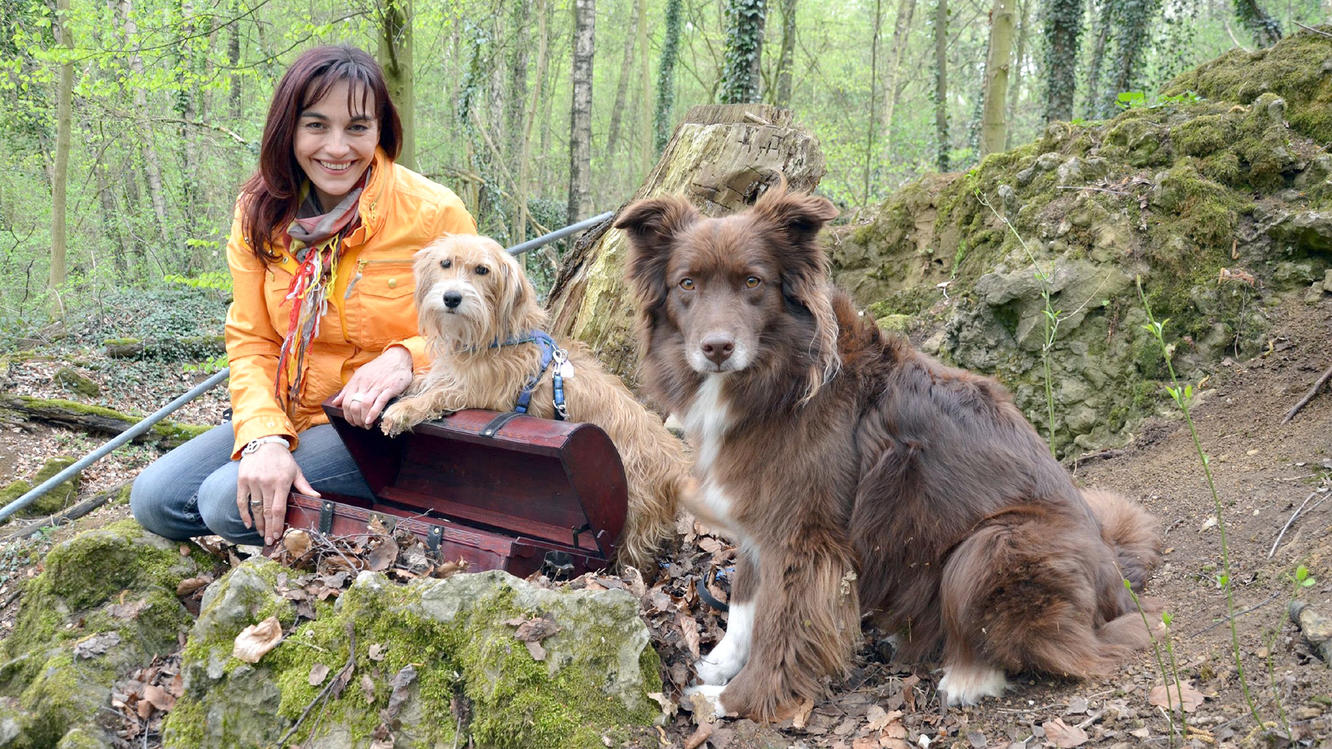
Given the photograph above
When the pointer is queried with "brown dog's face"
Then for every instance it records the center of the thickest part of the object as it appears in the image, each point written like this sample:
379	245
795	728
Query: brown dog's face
733	289
470	292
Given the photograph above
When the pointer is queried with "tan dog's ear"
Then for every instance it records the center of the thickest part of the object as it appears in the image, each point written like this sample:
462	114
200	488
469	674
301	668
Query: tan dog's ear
518	310
652	226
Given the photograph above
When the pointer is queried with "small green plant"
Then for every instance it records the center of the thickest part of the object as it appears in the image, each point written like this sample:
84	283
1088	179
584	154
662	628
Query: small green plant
1183	396
1139	100
1131	100
1160	663
215	280
207	366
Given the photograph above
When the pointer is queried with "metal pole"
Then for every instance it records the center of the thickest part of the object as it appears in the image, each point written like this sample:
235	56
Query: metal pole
115	442
530	244
212	382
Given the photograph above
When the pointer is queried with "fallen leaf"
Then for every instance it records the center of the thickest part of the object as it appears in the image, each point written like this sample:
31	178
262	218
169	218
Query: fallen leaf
158	697
668	707
1077	706
700	735
191	584
537	629
368	687
1063	735
256	640
880	719
538	652
865	742
376	526
376	651
383	556
449	569
801	717
96	644
1169	696
401	685
689	631
297	543
318	672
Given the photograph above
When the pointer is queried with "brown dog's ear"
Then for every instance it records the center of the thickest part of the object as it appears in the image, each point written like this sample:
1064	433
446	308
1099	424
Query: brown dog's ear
652	226
798	215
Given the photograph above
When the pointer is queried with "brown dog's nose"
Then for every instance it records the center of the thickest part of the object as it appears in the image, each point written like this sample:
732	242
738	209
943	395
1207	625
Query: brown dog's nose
452	299
718	348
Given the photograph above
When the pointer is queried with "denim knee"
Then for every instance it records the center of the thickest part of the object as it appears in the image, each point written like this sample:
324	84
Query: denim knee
159	505
217	506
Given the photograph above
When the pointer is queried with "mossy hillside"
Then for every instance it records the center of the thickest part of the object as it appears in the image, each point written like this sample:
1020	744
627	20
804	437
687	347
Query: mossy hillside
71	602
58	497
1298	69
453	633
1170	194
166	434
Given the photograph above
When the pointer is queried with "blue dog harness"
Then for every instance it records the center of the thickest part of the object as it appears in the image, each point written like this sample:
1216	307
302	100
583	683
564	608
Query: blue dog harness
550	353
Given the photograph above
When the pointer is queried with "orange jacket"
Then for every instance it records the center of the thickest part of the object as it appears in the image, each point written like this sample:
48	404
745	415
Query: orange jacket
370	303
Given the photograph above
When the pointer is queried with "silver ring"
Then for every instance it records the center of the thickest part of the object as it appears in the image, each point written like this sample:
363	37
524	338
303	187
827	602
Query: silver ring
356	399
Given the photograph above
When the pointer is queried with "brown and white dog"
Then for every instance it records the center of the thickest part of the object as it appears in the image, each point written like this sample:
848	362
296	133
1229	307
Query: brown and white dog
471	294
857	474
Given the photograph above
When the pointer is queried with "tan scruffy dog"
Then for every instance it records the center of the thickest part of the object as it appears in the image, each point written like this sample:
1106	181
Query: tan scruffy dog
476	306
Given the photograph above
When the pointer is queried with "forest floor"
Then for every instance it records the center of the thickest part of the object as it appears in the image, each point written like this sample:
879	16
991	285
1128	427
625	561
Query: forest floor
1272	480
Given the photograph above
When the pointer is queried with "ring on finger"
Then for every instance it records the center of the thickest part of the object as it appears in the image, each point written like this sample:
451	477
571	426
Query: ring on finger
356	399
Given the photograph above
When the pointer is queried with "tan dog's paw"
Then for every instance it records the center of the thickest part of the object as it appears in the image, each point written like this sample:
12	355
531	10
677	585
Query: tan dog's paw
397	419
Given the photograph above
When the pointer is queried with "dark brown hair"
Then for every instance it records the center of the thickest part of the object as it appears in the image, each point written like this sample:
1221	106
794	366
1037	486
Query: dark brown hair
270	195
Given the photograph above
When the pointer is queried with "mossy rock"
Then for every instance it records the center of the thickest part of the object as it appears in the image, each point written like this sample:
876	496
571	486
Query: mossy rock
78	382
60	496
103	606
456	633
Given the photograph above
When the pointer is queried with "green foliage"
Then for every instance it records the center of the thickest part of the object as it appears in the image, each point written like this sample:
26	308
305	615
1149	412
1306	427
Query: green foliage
670	50
744	43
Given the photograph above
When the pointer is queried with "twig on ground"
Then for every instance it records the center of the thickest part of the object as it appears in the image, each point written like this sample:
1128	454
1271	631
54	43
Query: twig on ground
1237	615
343	677
1313	391
1089	187
1293	515
1316	31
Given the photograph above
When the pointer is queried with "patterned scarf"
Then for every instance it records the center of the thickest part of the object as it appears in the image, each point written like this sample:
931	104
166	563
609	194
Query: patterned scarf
316	243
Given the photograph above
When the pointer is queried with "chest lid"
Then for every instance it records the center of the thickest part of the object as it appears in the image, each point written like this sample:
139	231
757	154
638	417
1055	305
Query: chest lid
558	481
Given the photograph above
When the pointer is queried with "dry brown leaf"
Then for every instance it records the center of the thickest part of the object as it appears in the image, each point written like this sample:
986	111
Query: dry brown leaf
383	556
1169	696
368	688
376	526
865	742
318	672
401	685
158	697
668	707
449	569
96	644
880	719
700	735
538	652
191	584
376	651
256	640
689	632
296	542
1063	735
537	629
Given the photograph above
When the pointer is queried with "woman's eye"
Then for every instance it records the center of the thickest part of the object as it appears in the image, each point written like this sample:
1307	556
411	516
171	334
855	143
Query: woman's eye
482	270
752	282
446	264
687	284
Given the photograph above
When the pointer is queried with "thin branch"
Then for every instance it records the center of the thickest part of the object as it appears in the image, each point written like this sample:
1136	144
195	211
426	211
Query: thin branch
1316	31
1313	391
343	677
1294	515
1236	615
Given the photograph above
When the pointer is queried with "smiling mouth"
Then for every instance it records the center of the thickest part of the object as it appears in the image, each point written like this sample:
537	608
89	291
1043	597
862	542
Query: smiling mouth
334	166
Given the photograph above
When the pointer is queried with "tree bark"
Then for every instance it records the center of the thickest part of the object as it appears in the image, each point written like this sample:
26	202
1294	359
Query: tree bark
1096	100
670	49
525	153
515	121
395	56
93	419
233	59
152	165
1063	31
626	70
744	51
942	146
996	77
1266	30
872	121
580	113
1130	42
786	58
186	110
906	10
720	158
60	169
1015	71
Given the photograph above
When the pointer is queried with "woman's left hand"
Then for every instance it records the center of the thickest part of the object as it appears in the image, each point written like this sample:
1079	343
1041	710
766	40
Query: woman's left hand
373	385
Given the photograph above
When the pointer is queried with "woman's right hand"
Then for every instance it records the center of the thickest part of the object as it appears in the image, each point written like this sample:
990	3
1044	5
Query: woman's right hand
266	477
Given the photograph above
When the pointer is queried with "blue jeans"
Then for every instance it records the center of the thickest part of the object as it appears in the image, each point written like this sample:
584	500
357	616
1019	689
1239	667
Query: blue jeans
191	491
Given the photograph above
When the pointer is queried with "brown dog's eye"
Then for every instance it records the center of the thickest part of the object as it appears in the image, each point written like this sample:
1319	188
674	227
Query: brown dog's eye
482	270
445	263
687	284
752	282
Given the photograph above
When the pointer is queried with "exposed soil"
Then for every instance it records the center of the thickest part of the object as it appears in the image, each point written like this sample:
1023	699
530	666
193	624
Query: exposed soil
1271	478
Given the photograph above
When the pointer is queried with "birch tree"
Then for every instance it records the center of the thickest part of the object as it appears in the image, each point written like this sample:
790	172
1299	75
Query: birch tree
996	77
580	113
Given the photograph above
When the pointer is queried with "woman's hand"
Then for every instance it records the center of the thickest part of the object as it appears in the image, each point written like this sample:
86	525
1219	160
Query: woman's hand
266	477
373	385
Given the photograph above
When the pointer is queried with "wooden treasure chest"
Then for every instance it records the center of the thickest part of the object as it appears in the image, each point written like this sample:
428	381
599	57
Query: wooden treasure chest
497	490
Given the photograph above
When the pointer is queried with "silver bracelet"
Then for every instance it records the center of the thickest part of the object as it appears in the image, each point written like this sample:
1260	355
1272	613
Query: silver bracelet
257	443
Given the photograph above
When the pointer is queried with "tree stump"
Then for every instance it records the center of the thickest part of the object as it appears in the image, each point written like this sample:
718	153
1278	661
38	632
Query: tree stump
721	158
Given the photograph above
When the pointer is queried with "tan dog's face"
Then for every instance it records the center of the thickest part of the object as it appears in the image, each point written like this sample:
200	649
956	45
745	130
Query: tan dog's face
471	293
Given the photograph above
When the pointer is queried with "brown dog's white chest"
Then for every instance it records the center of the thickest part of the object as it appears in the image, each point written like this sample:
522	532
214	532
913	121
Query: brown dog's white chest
706	421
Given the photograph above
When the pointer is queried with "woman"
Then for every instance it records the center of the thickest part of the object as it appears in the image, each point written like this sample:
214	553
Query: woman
320	256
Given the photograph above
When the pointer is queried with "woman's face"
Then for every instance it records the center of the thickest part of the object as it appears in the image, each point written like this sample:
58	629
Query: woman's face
335	142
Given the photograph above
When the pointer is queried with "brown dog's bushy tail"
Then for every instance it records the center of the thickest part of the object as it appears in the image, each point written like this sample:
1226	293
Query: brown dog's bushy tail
1130	530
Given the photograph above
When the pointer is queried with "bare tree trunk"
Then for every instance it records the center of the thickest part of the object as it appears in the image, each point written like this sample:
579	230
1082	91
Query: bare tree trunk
1266	30
60	170
942	146
996	77
580	113
906	9
187	111
786	59
626	69
1095	97
233	59
152	166
642	97
872	121
1015	76
542	63
395	55
515	121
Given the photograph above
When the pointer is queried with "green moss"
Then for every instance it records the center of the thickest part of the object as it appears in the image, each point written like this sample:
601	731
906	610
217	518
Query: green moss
82	738
15	489
60	496
64	694
184	725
